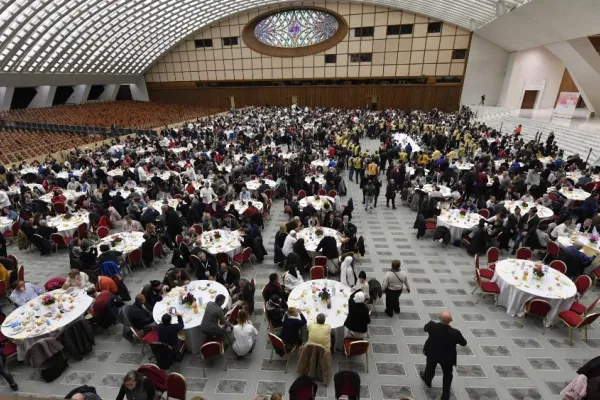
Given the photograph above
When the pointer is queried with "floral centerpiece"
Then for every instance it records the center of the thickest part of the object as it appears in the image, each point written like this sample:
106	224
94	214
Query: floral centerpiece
593	239
317	197
118	239
48	299
188	300
569	188
462	212
217	235
319	232
538	271
524	204
324	295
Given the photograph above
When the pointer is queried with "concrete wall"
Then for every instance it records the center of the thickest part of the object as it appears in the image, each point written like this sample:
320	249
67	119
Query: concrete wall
486	69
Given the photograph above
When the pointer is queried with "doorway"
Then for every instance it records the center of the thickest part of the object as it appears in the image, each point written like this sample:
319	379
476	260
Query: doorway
372	103
529	98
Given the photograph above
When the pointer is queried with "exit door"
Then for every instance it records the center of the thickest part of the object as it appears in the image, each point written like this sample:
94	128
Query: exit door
529	98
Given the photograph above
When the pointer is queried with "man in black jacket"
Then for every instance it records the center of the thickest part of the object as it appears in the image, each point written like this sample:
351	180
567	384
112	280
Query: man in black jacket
172	222
167	333
440	348
140	316
528	227
227	276
106	254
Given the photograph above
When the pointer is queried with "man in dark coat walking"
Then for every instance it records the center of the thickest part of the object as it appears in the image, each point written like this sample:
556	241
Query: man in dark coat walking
440	348
172	222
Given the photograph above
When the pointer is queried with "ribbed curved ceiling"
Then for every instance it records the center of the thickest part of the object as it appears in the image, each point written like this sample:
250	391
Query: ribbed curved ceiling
127	36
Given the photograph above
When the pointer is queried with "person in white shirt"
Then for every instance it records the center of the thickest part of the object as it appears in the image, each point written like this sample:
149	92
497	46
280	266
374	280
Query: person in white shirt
143	174
527	197
347	273
586	227
190	173
73	185
207	194
245	335
362	284
130	184
292	279
4	200
132	225
562	230
288	244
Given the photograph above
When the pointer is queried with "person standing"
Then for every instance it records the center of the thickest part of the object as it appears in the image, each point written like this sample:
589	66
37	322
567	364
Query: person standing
8	376
390	194
440	348
393	283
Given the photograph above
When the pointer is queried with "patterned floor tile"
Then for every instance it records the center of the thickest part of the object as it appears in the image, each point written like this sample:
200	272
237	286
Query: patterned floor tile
390	369
112	380
77	378
472	317
231	386
409	331
480	393
483	333
470	371
384	348
268	387
576	363
434	393
543	363
561	343
495	351
408	316
510	371
196	384
130	358
527	343
556	386
380	331
393	392
433	303
356	366
509	324
529	393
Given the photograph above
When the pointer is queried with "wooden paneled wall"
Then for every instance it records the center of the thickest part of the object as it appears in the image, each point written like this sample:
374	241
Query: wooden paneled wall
567	84
445	97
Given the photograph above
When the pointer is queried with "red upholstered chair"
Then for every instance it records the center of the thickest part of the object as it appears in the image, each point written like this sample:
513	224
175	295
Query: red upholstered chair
596	274
430	226
345	386
320	261
486	287
178	196
3	289
233	314
317	272
82	229
581	309
574	321
539	308
9	351
212	349
59	240
301	194
14	259
178	240
493	255
552	250
558	265
102	232
59	207
524	253
303	389
176	386
583	283
321	192
332	193
198	229
278	344
483	272
10	234
157	251
241	258
145	338
588	187
353	347
21	273
485	213
222	258
156	376
134	258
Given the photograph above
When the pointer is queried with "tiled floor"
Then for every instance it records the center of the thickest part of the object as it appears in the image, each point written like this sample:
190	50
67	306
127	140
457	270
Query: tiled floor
506	358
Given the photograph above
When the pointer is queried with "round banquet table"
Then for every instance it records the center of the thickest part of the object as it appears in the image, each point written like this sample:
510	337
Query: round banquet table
205	290
588	248
157	204
457	224
319	178
5	224
242	206
464	166
543	212
311	240
404	139
554	287
65	175
410	171
140	190
575	194
445	190
178	150
238	157
546	160
320	163
165	175
69	194
30	170
308	302
228	244
33	320
130	242
68	227
118	172
317	204
255	183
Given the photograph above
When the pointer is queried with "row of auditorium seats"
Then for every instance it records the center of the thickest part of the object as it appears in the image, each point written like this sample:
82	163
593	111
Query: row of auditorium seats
124	114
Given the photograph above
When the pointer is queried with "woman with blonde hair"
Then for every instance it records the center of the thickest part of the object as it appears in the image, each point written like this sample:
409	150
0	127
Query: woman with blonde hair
245	335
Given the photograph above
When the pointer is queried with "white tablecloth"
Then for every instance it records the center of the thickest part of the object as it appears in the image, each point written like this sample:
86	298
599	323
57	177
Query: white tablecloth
588	248
311	240
445	190
320	163
464	166
118	172
308	302
543	212
157	204
41	321
255	183
411	171
546	160
206	291
228	244
319	178
243	206
69	194
457	224
238	157
68	227
575	194
131	241
178	150
65	175
317	204
140	190
5	224
404	139
165	175
554	287
30	170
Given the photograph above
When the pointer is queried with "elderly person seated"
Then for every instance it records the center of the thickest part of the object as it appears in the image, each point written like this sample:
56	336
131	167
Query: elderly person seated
320	333
575	251
23	292
293	321
132	225
227	276
586	227
244	291
140	316
177	277
78	279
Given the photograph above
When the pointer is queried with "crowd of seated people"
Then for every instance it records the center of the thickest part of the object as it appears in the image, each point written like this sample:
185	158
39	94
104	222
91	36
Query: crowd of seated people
124	114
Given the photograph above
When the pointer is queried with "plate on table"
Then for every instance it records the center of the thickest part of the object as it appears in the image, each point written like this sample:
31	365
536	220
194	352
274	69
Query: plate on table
74	294
18	330
39	330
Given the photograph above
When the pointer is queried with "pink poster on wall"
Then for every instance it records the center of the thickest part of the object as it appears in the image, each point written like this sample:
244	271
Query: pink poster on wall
566	104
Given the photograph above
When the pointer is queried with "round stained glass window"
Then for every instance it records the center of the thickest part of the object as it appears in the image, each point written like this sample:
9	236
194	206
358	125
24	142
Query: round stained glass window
296	28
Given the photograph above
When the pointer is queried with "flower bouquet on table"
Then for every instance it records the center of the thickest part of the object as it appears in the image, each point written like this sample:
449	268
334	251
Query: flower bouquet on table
538	271
118	239
569	188
217	236
317	197
524	204
462	212
188	300
319	232
325	296
48	299
593	239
